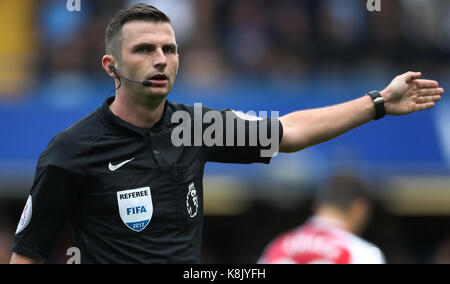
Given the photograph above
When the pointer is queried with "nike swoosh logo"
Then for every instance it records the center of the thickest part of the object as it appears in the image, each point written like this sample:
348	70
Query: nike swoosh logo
113	168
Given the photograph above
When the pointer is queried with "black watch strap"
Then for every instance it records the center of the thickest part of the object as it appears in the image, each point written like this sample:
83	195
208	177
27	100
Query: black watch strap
378	101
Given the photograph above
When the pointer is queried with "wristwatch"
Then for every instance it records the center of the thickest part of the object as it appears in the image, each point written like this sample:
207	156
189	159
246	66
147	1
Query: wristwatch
378	101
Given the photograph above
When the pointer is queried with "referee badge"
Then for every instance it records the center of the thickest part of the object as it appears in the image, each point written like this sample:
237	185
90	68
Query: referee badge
135	207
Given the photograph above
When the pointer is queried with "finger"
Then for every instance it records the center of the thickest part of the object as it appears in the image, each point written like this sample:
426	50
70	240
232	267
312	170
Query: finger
436	98
425	106
430	92
426	84
412	76
428	99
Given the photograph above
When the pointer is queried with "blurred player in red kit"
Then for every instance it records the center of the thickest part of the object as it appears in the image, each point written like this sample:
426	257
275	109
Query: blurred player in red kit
330	237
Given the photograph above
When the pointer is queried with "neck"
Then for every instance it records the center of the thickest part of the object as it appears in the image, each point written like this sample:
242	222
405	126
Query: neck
144	113
335	215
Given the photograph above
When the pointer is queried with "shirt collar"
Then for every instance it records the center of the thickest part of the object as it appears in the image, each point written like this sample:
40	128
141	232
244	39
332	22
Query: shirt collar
115	121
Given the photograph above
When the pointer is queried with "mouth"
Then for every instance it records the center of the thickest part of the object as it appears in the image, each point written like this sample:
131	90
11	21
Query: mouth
159	79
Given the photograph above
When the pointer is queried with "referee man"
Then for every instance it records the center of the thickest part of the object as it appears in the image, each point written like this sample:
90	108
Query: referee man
133	195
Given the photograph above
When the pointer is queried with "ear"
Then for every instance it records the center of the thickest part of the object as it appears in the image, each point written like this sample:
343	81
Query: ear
178	63
107	62
360	208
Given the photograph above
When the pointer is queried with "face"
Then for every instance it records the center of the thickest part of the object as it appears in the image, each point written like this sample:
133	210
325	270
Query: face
149	53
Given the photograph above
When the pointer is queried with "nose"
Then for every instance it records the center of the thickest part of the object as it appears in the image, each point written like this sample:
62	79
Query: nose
160	60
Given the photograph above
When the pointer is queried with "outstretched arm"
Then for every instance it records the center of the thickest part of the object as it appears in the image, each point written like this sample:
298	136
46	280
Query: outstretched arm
407	93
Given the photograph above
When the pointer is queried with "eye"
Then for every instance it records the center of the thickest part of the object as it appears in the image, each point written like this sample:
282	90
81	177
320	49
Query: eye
169	49
142	49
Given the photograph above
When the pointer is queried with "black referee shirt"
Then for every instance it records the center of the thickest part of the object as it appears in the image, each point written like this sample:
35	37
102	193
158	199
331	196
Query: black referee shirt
129	194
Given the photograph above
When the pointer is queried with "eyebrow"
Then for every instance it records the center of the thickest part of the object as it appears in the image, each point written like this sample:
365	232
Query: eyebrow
153	46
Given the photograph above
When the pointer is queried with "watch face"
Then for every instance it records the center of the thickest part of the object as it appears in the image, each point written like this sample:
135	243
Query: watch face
379	100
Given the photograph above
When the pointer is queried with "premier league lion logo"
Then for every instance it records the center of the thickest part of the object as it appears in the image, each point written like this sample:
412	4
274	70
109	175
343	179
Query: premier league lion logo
192	201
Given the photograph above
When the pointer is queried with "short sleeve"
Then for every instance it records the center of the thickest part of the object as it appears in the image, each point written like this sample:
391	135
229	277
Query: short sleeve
367	254
50	202
235	137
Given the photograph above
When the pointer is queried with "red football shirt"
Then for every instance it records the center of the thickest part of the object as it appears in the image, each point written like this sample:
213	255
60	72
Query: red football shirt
321	241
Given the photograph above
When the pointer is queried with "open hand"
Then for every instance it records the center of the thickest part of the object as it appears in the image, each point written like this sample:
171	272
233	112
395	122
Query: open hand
408	93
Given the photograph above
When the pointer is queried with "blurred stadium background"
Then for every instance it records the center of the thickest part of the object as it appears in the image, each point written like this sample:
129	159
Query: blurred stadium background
256	55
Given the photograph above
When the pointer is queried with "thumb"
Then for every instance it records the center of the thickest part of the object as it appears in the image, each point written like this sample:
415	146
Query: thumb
410	76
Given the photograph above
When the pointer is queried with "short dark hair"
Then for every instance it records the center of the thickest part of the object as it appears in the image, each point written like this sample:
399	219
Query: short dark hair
113	33
341	191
